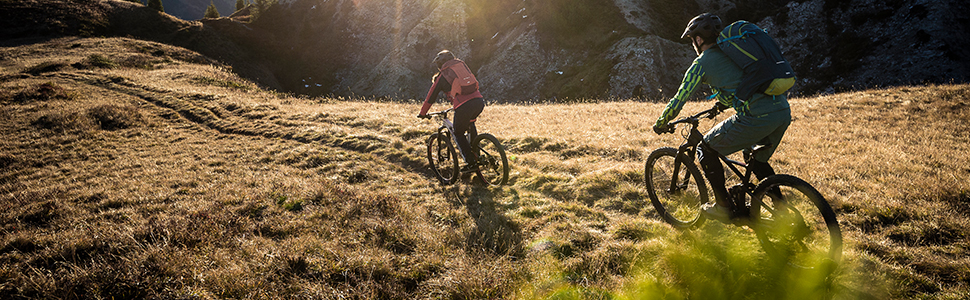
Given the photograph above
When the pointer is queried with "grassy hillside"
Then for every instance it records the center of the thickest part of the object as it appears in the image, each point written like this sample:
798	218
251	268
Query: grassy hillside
133	169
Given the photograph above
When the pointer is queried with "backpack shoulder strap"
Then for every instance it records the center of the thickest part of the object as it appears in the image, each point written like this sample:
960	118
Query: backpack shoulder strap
737	30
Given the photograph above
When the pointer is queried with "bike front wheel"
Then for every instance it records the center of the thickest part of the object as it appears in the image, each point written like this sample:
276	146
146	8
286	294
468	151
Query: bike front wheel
442	158
794	223
493	165
676	187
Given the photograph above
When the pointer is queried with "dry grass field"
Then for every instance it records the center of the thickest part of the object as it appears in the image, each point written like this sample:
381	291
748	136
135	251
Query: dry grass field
133	170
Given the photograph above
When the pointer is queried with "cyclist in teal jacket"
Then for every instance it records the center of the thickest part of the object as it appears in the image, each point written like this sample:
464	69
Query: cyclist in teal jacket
760	120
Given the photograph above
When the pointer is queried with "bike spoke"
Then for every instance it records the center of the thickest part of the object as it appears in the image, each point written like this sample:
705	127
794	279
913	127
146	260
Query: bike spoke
678	201
797	226
492	163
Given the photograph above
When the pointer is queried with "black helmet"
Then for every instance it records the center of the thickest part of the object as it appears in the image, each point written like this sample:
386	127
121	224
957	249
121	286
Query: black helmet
442	57
705	25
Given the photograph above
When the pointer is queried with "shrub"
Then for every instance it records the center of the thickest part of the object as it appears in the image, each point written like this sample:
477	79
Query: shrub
42	92
63	122
156	5
111	116
45	67
101	61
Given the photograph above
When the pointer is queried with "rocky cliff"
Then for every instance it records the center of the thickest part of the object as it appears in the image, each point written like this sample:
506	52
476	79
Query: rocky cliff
844	45
520	50
575	49
523	50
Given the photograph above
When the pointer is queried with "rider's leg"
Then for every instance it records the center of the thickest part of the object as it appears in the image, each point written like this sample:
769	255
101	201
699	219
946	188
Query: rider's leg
759	163
760	169
714	172
472	131
778	123
726	137
464	115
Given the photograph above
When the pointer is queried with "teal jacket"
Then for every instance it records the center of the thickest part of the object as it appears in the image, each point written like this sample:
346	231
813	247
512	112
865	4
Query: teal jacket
714	68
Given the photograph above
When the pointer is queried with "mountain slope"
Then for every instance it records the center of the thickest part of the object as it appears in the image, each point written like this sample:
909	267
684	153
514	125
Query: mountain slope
133	169
195	9
178	173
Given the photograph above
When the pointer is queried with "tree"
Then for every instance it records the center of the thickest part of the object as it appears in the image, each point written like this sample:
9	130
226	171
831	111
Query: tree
211	12
259	6
156	4
240	4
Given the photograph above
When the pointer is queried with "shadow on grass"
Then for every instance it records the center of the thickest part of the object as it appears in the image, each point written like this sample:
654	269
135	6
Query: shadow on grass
494	233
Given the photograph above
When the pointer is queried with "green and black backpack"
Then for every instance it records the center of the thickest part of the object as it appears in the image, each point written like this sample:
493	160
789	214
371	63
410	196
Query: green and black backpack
765	69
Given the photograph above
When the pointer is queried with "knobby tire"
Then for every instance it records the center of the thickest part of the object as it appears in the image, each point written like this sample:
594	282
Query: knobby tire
442	158
493	164
794	223
676	197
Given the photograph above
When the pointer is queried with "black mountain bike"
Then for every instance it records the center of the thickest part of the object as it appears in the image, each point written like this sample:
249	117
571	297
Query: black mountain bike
493	165
790	217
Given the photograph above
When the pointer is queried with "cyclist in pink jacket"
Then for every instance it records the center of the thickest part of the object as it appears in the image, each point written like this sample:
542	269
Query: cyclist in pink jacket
456	80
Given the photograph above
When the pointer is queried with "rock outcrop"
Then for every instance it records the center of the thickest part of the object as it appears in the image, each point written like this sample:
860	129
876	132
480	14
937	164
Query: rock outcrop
531	50
836	46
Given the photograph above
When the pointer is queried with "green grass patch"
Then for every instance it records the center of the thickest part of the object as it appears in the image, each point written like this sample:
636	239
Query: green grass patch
712	263
288	203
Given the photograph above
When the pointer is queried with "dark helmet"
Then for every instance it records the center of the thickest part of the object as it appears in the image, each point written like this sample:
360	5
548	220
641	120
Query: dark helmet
706	25
442	57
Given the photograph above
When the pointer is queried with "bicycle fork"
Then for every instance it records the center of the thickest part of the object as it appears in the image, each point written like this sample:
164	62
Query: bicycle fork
674	186
449	129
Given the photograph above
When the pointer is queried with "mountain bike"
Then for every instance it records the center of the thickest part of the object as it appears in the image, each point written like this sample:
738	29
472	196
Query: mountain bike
493	165
790	217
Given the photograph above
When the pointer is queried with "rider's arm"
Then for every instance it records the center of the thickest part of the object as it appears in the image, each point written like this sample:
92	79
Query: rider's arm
726	100
691	79
436	87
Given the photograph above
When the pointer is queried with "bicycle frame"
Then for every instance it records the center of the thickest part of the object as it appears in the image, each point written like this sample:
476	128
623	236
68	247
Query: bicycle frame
447	125
790	217
696	139
487	155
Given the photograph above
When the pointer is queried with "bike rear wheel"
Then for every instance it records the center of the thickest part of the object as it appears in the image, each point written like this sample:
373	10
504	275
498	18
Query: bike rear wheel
676	187
493	165
794	223
442	157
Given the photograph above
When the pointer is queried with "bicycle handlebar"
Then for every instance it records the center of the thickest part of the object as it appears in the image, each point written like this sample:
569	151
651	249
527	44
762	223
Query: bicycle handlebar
441	112
693	120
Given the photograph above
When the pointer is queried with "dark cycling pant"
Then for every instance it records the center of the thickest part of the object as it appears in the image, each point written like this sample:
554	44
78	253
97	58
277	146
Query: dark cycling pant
464	117
739	132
